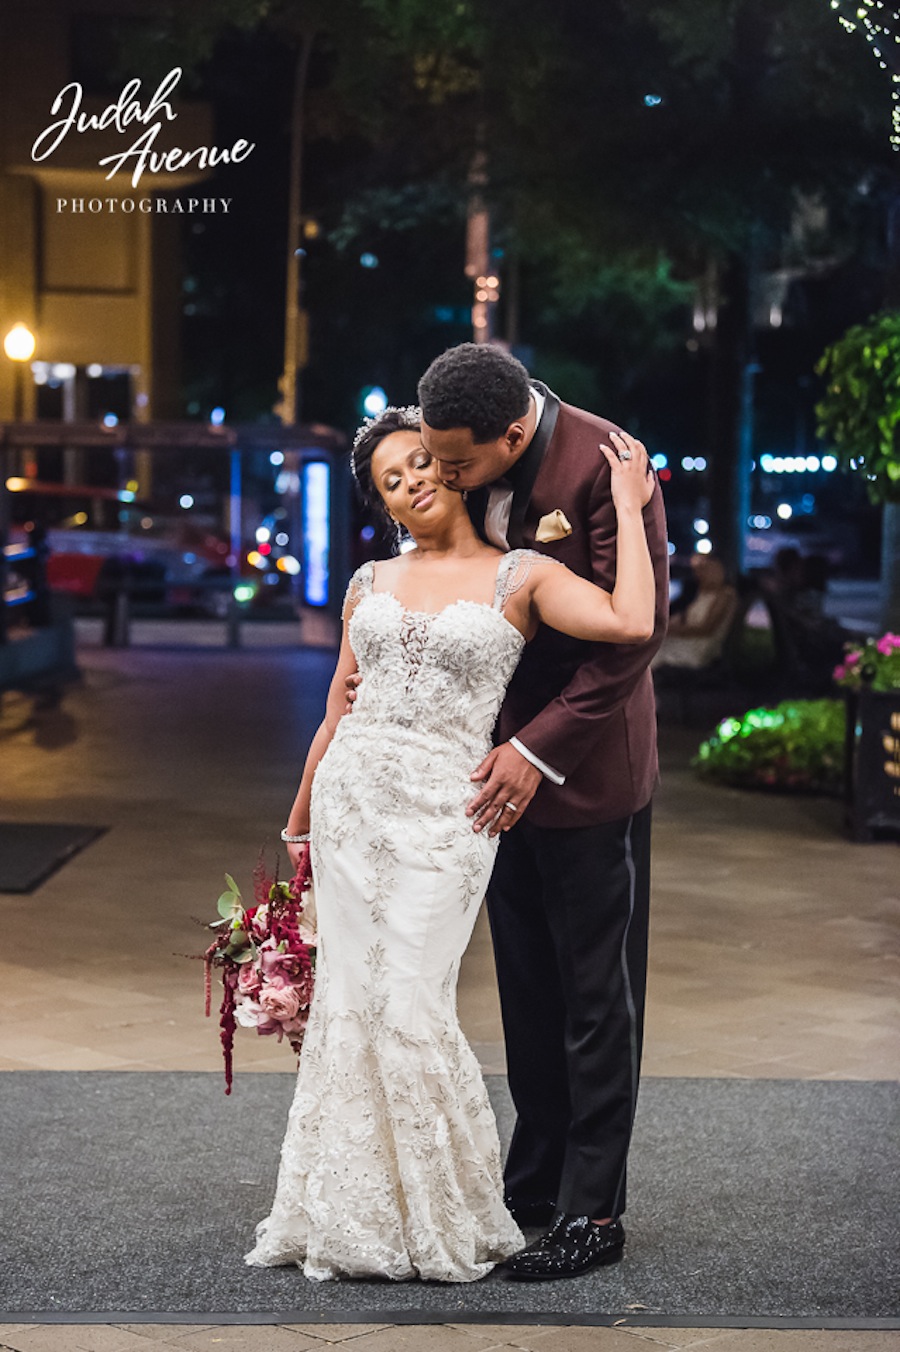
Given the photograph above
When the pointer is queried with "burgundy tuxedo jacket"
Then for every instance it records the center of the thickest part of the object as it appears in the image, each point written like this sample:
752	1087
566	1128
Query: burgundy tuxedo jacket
586	709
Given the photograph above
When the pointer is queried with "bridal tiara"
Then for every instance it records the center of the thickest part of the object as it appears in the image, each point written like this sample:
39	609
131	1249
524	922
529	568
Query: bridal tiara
410	416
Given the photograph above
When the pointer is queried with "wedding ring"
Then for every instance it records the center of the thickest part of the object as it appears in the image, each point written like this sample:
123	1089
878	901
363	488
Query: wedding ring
625	455
512	807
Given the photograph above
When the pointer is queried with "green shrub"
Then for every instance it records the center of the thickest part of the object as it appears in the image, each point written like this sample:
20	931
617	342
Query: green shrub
798	745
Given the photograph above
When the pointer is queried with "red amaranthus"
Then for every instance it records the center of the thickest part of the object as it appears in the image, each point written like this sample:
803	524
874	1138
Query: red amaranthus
266	953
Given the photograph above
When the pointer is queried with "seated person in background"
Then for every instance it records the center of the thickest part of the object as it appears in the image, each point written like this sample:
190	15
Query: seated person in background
797	587
799	584
697	635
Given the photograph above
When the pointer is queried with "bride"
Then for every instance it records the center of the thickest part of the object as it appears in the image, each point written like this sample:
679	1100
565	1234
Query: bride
390	1165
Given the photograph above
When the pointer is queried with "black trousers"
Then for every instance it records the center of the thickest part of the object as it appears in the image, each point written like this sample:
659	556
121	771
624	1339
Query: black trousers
569	917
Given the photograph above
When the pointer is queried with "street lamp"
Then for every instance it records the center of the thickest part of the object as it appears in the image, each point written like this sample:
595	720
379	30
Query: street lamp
19	346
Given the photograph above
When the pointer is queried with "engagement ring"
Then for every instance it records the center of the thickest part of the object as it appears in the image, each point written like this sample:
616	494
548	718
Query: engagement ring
625	455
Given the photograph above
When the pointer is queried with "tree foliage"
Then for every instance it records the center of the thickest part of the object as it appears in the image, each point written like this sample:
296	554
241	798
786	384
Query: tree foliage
859	413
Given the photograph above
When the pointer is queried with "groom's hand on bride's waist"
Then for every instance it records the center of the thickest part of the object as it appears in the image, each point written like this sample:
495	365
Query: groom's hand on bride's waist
351	683
509	782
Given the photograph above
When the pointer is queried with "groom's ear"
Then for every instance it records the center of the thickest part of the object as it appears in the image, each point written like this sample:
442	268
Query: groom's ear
514	435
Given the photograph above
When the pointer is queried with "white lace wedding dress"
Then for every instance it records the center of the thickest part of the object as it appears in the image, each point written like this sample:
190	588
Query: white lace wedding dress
391	1163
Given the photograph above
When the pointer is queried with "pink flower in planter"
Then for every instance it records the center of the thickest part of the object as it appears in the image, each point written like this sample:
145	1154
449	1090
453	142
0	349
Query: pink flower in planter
852	659
839	673
887	643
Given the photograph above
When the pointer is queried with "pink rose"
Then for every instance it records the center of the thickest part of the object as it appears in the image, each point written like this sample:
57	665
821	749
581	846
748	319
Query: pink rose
248	979
279	966
280	1002
852	658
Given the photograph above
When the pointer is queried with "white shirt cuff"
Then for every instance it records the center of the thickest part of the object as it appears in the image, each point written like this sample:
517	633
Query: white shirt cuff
547	771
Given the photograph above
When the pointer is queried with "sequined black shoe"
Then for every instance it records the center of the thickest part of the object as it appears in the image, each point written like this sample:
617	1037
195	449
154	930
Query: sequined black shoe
572	1245
530	1214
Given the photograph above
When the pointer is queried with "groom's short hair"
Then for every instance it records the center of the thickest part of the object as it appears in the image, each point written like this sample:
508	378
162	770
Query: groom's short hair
474	385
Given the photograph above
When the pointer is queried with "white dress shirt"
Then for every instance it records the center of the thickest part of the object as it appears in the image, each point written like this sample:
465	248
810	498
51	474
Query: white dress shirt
496	526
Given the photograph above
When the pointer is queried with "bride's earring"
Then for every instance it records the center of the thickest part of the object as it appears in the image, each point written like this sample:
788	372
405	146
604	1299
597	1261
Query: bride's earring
465	496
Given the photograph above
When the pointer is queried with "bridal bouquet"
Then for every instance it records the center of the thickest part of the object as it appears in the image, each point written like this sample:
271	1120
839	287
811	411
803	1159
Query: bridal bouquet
267	955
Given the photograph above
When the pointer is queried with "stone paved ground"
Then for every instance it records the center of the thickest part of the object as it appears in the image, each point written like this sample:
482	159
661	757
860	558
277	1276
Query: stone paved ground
771	948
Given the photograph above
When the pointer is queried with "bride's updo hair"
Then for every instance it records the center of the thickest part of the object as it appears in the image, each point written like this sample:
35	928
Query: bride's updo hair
369	435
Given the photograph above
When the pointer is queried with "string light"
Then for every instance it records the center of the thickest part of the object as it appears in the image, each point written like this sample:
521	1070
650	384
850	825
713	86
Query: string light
880	26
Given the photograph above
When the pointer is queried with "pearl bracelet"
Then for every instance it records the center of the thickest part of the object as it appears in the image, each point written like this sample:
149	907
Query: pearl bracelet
294	840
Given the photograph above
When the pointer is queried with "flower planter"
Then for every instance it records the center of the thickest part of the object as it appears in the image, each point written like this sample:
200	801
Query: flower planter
873	763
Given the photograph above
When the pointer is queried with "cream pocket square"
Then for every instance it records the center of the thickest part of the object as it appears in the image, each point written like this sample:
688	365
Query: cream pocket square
553	526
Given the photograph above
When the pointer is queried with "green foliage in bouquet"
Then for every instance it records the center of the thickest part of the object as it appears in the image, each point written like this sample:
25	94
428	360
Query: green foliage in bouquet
798	745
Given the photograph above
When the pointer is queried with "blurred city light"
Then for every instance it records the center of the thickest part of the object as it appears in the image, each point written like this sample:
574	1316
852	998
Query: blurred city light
288	564
94	370
19	344
701	526
368	260
110	420
316	530
217	417
797	464
281	538
185	501
785	511
367	533
660	461
652	100
375	401
276	458
61	370
255	559
262	534
704	546
244	591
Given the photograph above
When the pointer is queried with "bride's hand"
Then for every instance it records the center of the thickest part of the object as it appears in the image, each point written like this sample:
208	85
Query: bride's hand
296	853
631	478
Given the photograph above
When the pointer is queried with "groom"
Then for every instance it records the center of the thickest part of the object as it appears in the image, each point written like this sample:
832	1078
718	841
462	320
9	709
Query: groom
573	773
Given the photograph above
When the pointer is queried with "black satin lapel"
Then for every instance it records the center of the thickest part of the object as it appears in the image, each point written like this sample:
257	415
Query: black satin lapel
477	503
528	466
